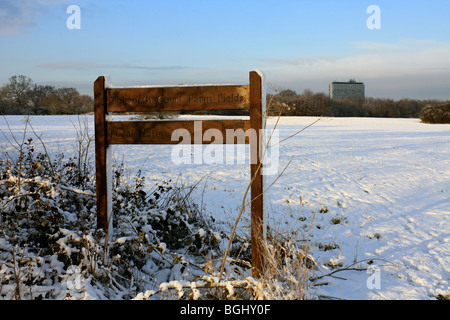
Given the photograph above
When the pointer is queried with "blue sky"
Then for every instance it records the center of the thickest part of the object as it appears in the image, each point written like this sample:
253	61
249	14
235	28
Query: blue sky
297	44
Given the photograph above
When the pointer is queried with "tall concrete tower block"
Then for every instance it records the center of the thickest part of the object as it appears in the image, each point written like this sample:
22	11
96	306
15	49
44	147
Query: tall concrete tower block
350	89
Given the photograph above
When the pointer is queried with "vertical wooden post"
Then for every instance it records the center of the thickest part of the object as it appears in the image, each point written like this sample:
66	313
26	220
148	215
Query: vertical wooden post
257	117
101	154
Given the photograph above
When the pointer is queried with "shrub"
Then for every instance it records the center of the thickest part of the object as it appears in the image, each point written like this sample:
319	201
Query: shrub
437	113
48	230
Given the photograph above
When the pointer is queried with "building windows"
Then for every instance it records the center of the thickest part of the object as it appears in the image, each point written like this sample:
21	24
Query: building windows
350	89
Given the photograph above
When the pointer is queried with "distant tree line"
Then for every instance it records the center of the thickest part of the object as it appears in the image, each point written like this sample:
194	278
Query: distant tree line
289	103
21	96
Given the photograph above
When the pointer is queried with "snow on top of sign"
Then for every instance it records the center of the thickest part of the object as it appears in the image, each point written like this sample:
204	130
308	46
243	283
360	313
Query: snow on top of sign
260	73
107	80
110	86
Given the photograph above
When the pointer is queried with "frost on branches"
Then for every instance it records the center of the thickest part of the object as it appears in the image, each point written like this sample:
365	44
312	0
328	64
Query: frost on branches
49	245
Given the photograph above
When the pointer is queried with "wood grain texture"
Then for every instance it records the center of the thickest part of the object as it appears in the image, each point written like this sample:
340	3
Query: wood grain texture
192	132
101	145
257	188
184	98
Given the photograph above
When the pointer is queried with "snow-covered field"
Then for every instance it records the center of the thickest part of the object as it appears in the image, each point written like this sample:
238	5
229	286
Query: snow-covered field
373	188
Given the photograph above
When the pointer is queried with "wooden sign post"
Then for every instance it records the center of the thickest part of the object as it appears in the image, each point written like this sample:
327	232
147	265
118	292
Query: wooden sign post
182	98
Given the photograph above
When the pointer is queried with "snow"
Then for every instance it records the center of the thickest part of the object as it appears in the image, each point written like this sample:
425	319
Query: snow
375	189
110	86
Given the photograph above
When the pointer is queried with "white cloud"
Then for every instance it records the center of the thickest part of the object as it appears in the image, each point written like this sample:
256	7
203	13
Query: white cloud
84	65
376	46
16	16
408	63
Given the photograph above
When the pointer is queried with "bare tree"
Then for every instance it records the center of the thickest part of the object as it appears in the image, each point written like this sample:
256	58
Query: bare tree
16	93
68	101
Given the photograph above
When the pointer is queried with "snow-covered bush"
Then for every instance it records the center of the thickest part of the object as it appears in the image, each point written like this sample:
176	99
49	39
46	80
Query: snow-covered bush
48	229
162	245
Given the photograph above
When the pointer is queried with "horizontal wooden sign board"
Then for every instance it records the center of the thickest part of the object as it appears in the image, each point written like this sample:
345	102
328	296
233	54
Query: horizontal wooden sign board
184	98
192	132
109	99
